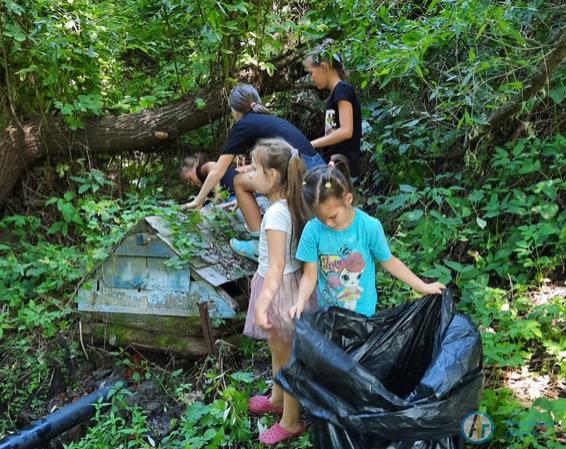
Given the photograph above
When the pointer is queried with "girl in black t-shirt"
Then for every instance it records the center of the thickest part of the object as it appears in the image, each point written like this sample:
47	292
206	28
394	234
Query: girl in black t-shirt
343	120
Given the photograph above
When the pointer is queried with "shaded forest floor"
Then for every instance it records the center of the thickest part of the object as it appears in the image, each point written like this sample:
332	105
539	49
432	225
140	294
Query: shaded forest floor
496	238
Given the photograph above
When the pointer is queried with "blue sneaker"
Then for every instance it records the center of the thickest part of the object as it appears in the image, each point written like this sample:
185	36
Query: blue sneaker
246	248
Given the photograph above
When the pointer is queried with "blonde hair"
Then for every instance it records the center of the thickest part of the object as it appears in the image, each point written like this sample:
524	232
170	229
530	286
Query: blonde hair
277	154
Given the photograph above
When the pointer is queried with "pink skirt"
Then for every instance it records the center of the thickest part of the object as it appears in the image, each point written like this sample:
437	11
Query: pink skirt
278	313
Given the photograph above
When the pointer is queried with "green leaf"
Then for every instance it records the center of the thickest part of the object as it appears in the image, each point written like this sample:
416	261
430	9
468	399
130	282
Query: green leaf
481	223
547	211
413	215
200	103
558	94
196	411
67	109
471	56
242	376
406	188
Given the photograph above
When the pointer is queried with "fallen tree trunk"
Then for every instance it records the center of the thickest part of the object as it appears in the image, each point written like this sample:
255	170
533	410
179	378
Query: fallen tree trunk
21	146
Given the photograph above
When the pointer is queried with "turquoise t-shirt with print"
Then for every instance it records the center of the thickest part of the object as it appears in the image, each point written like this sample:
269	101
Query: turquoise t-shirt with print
345	261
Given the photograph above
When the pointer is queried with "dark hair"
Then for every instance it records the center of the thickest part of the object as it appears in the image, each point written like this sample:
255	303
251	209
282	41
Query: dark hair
244	98
276	153
190	162
326	52
328	181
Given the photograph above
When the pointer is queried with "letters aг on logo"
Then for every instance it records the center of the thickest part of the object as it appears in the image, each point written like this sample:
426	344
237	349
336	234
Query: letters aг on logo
477	427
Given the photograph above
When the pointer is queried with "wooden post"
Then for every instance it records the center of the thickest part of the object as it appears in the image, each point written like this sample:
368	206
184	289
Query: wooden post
207	328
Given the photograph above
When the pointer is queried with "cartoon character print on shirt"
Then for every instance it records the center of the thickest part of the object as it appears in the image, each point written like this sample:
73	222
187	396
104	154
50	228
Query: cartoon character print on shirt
329	121
343	273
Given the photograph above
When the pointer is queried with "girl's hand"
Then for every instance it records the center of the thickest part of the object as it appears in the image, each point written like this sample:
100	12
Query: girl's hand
261	318
435	288
191	205
243	168
297	310
230	206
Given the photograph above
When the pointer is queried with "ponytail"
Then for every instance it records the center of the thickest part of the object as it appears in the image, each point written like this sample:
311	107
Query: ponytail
260	109
295	197
244	98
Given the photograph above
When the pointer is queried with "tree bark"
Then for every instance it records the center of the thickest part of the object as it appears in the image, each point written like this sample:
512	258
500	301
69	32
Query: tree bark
21	146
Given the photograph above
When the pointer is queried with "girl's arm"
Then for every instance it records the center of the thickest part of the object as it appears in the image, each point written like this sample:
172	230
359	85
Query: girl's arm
306	287
213	178
399	270
276	245
205	169
344	132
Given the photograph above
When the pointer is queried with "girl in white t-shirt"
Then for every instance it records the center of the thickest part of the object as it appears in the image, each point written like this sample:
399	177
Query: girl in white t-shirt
277	172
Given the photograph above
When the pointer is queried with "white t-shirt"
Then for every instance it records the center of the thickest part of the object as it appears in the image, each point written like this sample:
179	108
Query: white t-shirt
277	218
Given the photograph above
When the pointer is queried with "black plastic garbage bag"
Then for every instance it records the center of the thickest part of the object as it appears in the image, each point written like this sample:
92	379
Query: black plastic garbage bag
404	378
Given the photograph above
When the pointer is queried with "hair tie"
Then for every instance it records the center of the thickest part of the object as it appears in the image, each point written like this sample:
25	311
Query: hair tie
294	152
252	105
332	164
328	184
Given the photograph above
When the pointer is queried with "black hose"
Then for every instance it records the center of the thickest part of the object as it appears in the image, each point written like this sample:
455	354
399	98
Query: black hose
58	422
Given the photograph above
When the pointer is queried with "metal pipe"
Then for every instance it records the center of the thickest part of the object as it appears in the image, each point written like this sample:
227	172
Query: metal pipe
58	422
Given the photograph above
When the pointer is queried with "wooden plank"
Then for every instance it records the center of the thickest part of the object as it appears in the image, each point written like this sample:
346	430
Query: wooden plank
124	272
158	302
153	246
144	302
173	325
161	277
143	273
116	335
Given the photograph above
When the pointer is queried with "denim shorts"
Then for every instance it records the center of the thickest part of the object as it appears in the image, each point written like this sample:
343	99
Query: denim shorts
313	161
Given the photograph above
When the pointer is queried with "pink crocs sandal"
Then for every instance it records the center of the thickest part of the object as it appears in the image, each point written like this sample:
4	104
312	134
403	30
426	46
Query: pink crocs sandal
277	434
261	405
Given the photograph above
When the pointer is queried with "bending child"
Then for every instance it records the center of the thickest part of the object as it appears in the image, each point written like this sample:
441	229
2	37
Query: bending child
343	118
195	170
277	172
340	244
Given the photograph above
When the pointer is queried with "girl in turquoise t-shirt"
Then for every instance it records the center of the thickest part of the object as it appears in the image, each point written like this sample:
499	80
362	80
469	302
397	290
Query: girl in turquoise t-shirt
340	244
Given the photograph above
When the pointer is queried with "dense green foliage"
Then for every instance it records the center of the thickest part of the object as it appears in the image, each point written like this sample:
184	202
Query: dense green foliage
490	221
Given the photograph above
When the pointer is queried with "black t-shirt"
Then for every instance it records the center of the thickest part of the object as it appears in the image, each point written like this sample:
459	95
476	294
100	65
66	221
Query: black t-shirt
227	181
351	147
254	126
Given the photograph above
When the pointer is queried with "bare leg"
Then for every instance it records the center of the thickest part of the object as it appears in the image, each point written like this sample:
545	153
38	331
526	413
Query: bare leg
281	350
244	189
276	392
